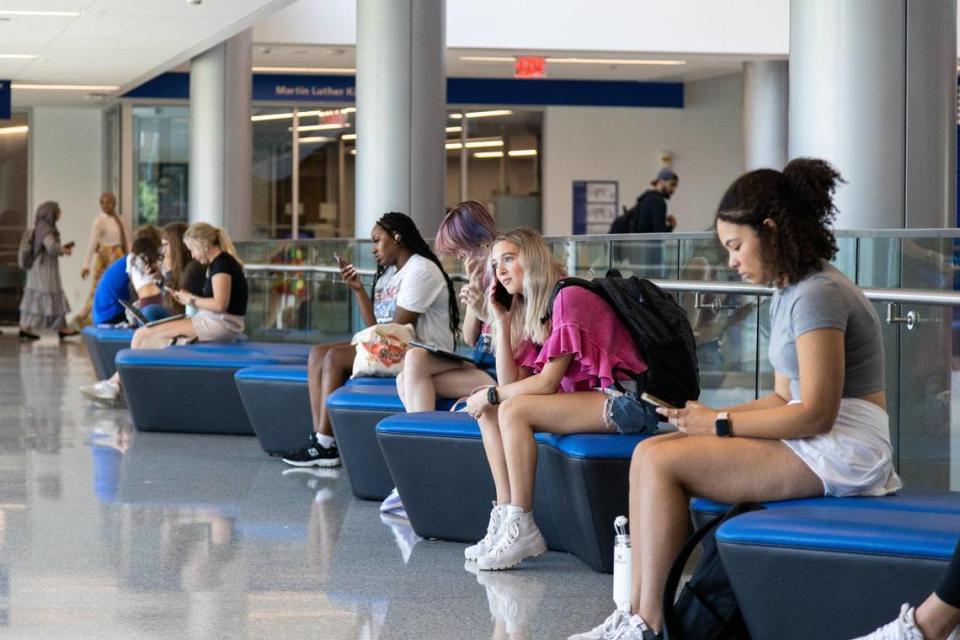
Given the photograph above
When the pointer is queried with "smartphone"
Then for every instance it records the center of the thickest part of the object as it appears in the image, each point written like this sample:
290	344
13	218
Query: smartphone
338	259
169	290
69	245
654	400
501	297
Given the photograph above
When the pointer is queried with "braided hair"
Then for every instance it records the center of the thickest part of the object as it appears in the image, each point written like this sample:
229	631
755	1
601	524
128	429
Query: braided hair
405	231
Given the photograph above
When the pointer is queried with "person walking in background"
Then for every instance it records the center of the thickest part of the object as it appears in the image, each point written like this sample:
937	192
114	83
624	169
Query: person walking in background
649	215
108	241
44	305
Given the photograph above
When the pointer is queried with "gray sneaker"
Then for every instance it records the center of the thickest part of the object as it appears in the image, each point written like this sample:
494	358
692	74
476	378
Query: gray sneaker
606	630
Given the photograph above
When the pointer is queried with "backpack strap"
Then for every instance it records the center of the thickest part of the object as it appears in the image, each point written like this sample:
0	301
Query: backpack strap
676	570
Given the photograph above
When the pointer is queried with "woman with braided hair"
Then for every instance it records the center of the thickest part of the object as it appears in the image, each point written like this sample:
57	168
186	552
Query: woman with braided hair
410	287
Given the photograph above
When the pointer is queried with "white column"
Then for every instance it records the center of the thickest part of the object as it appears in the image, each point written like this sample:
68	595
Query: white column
401	112
765	90
872	90
221	136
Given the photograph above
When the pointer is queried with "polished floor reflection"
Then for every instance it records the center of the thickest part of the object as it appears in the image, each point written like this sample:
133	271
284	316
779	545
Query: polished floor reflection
110	533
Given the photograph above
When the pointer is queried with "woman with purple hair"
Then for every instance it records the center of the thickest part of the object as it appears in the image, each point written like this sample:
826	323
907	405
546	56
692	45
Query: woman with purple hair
466	233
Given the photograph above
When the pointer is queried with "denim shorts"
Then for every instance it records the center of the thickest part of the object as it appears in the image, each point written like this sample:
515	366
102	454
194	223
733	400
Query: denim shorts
482	353
622	412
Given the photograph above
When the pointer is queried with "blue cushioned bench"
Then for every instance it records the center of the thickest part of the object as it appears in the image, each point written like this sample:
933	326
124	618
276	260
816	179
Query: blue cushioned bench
103	344
278	404
839	568
438	463
190	389
355	410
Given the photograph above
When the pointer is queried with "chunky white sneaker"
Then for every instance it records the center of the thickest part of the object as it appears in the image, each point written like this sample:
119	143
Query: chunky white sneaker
520	539
392	502
903	628
103	390
606	629
635	628
474	551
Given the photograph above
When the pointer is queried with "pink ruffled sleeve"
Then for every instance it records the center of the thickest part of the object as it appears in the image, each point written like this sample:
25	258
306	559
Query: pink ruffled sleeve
603	351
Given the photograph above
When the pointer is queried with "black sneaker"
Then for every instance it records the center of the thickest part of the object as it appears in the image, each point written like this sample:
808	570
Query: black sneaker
314	455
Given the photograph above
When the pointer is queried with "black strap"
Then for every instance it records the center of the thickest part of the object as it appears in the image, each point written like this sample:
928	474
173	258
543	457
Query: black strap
676	571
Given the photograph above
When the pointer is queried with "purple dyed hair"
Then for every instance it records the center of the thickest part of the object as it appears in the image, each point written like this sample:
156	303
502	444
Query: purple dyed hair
467	229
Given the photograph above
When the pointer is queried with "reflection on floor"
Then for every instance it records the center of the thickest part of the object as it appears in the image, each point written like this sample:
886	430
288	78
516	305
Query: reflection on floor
110	533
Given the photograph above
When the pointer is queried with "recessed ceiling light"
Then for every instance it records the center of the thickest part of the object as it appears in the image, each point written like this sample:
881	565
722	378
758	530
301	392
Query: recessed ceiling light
522	153
488	154
64	87
303	70
321	127
17	56
315	139
483	114
48	14
7	131
607	61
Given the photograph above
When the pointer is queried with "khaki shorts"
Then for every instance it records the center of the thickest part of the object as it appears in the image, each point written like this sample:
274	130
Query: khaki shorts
217	327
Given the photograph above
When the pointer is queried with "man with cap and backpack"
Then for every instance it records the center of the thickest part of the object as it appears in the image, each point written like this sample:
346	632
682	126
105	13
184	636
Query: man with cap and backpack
649	215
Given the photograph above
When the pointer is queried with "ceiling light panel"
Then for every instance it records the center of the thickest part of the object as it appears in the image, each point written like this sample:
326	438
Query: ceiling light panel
483	114
39	14
318	70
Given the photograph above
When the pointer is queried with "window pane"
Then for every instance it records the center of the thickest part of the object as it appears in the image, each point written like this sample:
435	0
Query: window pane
162	161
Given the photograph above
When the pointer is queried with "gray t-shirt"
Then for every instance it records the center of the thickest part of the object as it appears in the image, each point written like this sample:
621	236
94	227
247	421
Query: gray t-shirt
828	299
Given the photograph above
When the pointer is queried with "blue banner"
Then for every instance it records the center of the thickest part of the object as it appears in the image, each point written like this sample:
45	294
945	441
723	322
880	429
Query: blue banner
5	99
474	91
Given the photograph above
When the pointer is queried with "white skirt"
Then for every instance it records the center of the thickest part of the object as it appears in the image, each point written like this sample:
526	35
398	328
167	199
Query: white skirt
855	458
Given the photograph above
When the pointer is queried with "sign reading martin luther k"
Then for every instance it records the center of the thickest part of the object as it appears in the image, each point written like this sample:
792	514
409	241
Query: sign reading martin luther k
4	99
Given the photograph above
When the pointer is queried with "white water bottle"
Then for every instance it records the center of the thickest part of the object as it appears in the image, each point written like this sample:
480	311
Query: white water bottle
621	565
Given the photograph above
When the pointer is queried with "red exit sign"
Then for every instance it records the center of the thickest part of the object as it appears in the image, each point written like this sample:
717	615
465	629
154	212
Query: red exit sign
529	67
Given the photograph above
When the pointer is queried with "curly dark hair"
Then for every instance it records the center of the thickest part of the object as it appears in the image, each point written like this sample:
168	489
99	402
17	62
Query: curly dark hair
799	201
404	229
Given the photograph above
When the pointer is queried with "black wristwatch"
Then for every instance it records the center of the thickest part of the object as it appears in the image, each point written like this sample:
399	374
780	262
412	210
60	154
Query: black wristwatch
722	425
492	396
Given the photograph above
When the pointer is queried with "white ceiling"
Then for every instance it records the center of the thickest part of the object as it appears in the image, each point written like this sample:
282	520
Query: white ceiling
113	42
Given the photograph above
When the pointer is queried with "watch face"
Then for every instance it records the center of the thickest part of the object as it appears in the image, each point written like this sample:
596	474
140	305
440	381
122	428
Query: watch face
723	427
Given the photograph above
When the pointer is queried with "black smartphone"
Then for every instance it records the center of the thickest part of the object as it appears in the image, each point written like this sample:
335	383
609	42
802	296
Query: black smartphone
338	259
69	245
654	400
501	297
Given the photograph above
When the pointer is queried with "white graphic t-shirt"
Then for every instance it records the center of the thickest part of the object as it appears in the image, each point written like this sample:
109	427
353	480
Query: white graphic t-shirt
418	287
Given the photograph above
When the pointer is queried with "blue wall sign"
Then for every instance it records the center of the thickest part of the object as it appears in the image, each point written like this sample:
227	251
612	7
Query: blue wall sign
496	91
5	99
595	205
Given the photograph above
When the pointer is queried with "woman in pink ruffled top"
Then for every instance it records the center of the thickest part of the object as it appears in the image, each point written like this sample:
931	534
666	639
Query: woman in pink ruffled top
556	387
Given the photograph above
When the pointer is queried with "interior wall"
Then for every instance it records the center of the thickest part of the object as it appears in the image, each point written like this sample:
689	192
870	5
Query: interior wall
66	165
624	144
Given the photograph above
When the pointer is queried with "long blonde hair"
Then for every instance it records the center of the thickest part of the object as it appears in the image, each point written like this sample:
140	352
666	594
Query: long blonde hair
208	235
540	273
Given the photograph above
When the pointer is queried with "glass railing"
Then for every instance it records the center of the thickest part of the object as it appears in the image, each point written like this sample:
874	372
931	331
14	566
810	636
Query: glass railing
732	328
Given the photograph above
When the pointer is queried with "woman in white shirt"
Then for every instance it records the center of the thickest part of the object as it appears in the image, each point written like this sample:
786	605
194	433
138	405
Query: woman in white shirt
108	242
410	287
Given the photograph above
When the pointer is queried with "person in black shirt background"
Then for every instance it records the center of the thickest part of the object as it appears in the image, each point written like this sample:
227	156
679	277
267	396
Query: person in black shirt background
649	215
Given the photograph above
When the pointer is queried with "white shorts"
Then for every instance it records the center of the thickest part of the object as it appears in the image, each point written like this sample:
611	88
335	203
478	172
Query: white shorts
217	327
855	457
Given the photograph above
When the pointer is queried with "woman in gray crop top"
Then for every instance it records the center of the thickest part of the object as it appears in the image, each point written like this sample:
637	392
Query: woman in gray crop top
823	431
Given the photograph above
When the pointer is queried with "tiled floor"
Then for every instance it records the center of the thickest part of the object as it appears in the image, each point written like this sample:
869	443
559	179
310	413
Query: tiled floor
109	533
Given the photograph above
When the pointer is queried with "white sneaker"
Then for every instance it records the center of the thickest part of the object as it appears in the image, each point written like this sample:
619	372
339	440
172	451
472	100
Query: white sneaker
903	628
103	390
635	628
493	532
520	539
605	630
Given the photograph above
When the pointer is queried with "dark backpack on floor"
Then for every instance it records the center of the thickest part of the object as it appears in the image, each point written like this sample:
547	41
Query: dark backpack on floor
660	331
707	608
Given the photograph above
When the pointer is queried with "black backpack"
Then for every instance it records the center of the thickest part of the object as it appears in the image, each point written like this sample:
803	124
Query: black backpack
707	608
660	331
624	222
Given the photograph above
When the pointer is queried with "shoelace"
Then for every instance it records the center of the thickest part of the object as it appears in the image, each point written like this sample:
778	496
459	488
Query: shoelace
612	623
509	537
633	628
492	528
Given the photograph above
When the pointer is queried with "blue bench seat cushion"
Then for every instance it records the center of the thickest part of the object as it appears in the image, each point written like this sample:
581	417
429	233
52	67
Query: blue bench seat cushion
843	530
367	396
216	355
794	567
109	334
437	424
596	446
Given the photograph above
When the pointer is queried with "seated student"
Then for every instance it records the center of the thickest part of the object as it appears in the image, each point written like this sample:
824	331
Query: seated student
556	388
220	310
180	270
938	618
143	267
410	287
823	431
114	285
466	232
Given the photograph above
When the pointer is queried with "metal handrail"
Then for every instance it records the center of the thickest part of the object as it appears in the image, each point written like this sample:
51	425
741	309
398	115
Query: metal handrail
899	296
